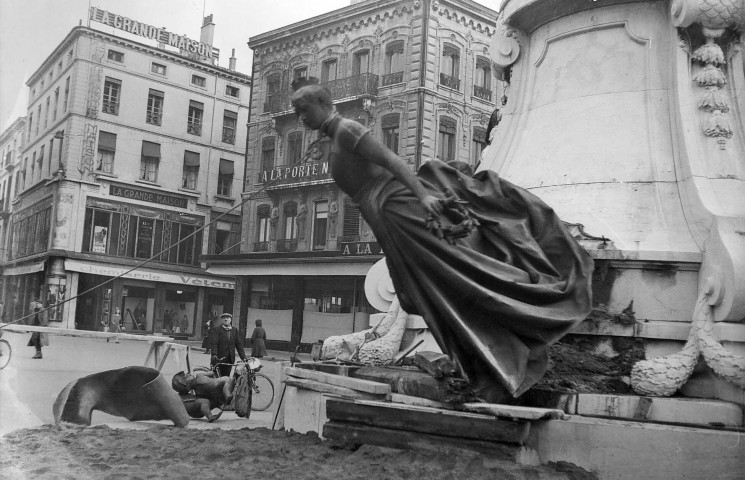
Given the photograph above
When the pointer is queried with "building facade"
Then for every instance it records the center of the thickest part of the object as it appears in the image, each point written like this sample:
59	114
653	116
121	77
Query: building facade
11	147
418	75
131	151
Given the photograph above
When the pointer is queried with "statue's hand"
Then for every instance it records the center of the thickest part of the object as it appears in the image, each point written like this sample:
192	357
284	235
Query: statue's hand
432	205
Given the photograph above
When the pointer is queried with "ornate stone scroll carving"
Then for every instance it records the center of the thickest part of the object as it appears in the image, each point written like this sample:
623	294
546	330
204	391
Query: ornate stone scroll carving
505	48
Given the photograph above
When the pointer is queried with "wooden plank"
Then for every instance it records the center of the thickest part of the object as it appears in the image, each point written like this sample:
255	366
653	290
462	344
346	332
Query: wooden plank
512	411
349	434
419	401
416	383
340	381
436	364
433	421
152	353
163	359
327	388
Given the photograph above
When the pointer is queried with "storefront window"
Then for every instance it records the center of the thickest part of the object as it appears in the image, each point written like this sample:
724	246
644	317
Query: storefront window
137	306
179	311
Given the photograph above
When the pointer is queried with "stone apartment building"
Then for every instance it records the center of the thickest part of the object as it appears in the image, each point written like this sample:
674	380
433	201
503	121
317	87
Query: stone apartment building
418	74
134	142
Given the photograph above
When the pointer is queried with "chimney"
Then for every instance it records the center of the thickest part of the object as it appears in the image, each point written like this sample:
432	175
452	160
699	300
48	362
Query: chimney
208	31
231	65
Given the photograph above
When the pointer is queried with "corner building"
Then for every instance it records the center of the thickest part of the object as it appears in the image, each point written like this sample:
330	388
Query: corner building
130	148
418	75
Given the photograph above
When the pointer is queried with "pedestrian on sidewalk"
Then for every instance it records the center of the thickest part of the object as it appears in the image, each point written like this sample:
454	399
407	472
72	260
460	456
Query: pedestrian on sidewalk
258	340
38	339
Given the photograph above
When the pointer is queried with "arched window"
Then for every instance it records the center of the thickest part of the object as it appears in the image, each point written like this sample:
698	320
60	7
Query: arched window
394	63
267	153
482	79
294	148
390	124
329	70
450	67
479	144
262	228
361	62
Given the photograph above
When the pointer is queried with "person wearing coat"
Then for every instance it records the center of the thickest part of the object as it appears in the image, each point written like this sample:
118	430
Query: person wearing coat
258	341
40	319
225	341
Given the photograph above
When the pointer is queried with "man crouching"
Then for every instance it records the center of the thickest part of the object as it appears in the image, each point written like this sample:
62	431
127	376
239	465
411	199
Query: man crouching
202	393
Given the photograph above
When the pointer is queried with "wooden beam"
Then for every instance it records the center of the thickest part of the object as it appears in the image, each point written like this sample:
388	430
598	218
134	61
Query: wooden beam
419	401
446	423
512	411
159	367
340	381
327	388
348	434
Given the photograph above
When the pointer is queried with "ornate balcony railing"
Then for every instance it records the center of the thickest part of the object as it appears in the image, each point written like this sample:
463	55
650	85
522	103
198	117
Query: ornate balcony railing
228	138
110	107
287	245
450	82
364	84
392	78
153	118
194	128
261	247
482	93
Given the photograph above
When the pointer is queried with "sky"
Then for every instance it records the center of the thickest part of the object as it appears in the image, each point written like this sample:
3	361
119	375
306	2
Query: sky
31	29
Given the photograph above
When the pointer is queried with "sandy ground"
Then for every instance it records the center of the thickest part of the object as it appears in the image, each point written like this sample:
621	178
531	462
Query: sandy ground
166	452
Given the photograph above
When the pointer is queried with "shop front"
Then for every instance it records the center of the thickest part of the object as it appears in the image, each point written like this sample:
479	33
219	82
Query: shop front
149	301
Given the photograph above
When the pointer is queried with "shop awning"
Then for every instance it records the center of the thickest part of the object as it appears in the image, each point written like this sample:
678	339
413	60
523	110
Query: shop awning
109	270
107	141
150	149
24	269
294	269
226	167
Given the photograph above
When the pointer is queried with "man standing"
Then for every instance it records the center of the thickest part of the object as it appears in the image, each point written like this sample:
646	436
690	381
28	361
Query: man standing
225	340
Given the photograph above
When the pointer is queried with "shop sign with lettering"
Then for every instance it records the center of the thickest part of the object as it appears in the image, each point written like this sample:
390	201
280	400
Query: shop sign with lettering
360	248
148	196
299	173
142	274
182	42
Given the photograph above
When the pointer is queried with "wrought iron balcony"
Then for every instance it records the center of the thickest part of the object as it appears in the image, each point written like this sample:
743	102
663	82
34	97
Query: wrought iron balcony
450	82
261	247
110	107
392	78
482	93
228	137
153	118
287	245
364	84
277	102
194	128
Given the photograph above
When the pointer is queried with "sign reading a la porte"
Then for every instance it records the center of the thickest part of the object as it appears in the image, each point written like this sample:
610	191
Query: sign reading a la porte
182	42
148	196
360	248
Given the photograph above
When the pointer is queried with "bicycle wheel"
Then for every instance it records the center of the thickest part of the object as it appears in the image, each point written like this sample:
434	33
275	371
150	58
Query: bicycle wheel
5	352
263	393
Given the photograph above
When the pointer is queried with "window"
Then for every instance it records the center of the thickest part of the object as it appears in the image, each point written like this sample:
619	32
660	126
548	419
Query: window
390	124
150	161
41	161
320	220
394	63
482	79
30	232
67	94
300	72
112	228
38	120
30	123
361	63
450	66
328	70
198	81
294	148
225	178
154	114
56	101
46	113
69	56
231	91
351	222
59	68
191	170
158	69
263	228
227	237
111	96
194	122
274	99
290	211
106	149
479	144
229	123
267	153
446	139
272	84
115	56
32	177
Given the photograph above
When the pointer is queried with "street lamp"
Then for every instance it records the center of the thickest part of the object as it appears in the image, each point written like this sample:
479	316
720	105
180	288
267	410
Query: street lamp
60	135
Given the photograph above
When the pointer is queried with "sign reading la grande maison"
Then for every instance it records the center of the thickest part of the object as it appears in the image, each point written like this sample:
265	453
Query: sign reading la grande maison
148	196
299	173
182	42
360	248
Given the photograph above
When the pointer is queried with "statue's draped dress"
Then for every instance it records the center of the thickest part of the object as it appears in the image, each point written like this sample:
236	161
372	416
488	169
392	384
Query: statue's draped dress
496	299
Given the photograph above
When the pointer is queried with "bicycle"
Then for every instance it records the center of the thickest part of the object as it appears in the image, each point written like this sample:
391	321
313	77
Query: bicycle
261	388
5	352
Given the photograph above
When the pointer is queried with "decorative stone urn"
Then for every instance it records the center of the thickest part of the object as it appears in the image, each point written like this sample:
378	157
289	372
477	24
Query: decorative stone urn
628	118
